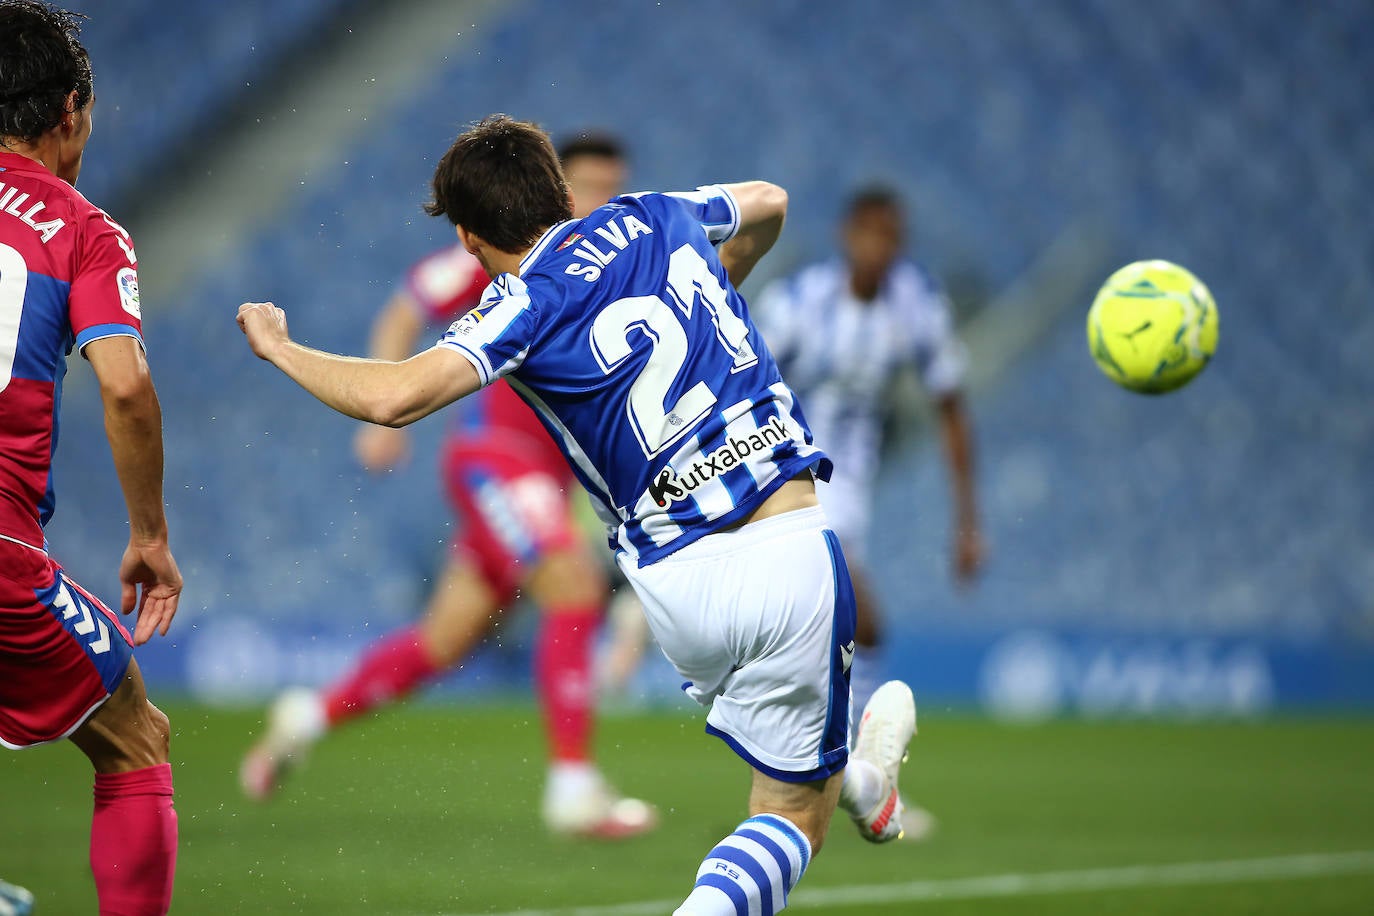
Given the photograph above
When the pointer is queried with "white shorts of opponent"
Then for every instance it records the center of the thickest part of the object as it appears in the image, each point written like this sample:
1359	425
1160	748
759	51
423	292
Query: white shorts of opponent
760	621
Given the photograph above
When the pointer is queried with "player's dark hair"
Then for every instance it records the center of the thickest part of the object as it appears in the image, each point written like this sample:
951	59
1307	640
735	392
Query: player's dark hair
590	143
873	197
41	63
501	180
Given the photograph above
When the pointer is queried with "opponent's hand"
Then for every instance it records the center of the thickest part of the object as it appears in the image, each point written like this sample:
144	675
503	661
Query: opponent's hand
152	567
969	553
381	448
265	326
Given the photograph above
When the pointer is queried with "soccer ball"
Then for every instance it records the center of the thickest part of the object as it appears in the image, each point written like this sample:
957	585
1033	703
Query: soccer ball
1152	327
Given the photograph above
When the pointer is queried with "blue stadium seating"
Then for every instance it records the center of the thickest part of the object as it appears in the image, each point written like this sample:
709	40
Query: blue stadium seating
205	52
1236	141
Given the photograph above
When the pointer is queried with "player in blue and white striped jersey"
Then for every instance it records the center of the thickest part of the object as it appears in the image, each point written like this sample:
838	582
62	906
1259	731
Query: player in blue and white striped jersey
842	331
624	332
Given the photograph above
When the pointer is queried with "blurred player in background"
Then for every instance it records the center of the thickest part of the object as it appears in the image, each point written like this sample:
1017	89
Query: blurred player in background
842	330
68	279
626	333
511	489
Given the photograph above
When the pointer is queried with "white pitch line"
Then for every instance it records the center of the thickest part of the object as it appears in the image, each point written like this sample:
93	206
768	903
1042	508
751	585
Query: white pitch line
1232	871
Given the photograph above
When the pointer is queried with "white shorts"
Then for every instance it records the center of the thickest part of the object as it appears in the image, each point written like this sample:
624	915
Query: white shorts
760	621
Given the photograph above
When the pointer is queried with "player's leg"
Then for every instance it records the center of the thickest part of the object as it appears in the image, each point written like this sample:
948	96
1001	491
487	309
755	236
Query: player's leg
459	612
872	772
870	795
477	581
569	586
134	826
67	671
755	868
869	666
846	498
629	639
760	620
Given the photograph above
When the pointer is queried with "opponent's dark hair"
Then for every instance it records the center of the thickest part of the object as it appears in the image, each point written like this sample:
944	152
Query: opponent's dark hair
501	180
41	63
590	143
873	197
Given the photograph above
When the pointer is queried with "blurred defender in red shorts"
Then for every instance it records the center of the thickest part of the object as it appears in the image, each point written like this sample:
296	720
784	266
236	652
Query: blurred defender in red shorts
511	488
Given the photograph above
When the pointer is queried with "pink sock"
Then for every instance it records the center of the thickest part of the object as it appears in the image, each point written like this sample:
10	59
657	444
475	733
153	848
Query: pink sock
391	668
134	841
563	679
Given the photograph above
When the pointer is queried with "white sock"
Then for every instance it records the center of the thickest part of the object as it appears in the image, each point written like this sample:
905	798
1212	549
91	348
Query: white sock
298	717
751	870
570	781
862	788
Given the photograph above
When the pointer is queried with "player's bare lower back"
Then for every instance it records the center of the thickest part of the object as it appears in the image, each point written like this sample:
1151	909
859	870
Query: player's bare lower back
797	493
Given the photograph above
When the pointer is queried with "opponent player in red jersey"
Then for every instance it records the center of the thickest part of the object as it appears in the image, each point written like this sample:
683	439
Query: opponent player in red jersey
511	487
68	279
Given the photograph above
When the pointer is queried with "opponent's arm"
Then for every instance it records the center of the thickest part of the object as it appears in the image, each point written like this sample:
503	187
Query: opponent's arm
394	334
958	441
396	329
379	391
133	424
762	210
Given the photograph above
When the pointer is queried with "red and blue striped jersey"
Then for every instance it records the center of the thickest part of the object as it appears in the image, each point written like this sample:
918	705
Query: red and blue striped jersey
68	276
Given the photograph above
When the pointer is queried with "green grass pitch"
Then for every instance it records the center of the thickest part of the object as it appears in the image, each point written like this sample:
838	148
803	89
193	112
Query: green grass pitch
434	810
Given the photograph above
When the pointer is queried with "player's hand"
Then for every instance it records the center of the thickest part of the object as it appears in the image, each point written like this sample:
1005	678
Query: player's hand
265	326
381	448
152	567
969	553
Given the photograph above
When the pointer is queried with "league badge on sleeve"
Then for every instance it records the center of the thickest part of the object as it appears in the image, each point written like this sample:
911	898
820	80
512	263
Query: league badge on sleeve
127	279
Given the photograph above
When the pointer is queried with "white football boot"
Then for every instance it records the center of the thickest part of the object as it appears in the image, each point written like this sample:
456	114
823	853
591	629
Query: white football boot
295	722
888	723
583	805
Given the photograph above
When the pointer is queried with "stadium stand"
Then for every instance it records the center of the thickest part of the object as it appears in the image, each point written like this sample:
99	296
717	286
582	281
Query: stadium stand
207	55
1235	142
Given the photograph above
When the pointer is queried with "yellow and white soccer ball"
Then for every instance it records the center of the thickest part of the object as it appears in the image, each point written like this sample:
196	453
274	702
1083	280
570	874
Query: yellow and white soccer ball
1152	327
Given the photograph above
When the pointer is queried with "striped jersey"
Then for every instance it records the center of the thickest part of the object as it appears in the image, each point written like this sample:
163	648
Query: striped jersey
68	276
841	354
624	334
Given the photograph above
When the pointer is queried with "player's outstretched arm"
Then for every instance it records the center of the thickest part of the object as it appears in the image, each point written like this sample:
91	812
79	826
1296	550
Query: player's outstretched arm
379	391
762	210
148	573
968	542
395	332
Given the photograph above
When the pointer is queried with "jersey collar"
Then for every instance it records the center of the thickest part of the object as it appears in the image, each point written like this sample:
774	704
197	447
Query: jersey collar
16	162
540	246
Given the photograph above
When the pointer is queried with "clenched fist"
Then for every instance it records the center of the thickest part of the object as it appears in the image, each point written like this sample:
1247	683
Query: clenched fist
265	326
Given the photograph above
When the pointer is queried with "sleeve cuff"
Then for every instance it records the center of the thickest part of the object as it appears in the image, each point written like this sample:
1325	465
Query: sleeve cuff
734	210
101	331
479	362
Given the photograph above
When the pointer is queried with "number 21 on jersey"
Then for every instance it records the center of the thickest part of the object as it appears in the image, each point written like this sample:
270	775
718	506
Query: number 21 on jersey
657	424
